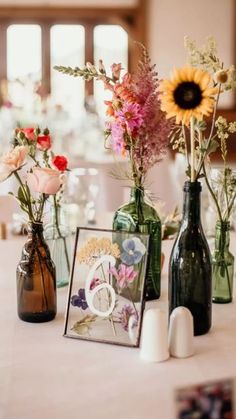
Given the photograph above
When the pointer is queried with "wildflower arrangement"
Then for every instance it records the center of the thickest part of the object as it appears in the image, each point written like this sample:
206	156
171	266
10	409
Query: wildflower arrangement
136	128
39	181
191	95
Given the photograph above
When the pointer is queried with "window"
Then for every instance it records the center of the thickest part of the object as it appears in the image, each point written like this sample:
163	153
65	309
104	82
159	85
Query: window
110	44
24	65
68	49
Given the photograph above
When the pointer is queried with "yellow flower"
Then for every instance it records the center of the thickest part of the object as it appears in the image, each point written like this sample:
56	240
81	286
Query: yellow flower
95	247
187	94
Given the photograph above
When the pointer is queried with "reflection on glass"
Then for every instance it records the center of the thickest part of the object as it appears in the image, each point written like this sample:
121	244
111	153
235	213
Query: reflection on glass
24	66
81	197
110	45
68	49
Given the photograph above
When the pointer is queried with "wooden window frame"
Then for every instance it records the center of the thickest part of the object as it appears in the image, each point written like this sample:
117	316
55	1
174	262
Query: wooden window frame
132	19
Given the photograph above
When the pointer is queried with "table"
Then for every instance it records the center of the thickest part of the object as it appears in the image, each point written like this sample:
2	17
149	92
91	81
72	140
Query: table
45	375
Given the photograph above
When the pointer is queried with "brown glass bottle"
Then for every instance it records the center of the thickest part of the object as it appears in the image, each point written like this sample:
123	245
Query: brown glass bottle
36	279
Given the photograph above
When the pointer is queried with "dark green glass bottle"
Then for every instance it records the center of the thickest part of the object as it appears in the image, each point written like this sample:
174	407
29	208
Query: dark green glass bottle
138	216
190	270
223	265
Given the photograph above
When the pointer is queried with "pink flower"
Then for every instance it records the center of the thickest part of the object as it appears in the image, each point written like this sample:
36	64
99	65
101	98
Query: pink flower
116	69
124	275
117	137
44	180
124	317
131	114
29	133
12	161
44	142
60	162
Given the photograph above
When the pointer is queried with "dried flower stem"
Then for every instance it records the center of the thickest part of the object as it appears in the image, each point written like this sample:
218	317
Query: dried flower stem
192	149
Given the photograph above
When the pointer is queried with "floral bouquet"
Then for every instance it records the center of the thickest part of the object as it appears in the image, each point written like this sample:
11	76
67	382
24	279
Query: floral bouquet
136	128
44	178
36	279
191	96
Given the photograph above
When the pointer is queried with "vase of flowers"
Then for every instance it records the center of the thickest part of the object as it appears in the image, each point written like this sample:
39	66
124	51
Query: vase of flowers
222	190
36	273
138	131
190	95
57	233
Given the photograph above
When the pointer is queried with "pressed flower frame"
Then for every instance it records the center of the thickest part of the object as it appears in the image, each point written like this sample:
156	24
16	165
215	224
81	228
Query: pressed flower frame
100	306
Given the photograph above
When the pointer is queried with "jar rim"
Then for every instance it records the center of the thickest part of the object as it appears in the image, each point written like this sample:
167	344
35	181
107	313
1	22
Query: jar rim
195	186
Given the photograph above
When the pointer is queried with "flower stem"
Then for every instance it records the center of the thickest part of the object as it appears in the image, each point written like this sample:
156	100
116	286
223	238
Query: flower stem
192	149
59	233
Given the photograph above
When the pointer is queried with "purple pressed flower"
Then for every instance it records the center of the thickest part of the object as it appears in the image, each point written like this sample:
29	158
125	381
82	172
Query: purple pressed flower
125	314
134	250
124	275
79	300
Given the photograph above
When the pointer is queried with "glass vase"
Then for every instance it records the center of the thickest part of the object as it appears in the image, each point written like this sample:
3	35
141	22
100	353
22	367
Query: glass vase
190	270
36	279
57	235
223	265
138	216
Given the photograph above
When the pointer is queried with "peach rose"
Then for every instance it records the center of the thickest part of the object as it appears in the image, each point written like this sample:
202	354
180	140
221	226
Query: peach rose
12	161
44	180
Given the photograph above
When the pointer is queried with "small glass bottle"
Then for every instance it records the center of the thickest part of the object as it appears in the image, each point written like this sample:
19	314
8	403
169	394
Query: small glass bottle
36	279
58	236
223	265
190	270
138	216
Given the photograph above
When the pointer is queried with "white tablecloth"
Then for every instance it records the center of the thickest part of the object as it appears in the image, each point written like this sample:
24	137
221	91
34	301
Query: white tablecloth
45	375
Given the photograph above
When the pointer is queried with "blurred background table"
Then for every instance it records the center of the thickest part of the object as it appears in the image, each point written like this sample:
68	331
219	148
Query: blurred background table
44	375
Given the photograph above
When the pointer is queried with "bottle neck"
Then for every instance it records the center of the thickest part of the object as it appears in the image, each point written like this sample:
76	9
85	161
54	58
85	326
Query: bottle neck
35	230
137	195
222	235
192	202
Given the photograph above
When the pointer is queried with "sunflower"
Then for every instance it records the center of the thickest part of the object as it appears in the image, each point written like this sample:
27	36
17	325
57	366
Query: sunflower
187	94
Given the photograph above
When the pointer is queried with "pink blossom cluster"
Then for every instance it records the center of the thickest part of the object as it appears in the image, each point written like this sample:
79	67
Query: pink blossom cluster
137	126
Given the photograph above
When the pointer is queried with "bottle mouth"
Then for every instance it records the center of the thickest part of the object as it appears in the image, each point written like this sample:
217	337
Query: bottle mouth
192	186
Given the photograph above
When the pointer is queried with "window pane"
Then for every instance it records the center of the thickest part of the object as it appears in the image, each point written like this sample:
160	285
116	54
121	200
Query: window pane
67	49
24	66
111	45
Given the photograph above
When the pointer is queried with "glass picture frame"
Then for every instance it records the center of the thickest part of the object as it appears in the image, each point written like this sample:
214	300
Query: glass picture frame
107	286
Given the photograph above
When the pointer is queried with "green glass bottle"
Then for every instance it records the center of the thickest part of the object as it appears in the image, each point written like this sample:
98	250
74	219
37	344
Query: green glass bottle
138	216
190	269
57	236
223	265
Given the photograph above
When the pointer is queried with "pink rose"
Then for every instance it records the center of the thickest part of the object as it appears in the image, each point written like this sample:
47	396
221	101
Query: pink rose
116	69
29	133
12	161
44	142
44	180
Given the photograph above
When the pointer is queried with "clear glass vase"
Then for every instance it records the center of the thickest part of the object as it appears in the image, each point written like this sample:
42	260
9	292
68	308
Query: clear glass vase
190	270
36	279
58	238
138	216
223	265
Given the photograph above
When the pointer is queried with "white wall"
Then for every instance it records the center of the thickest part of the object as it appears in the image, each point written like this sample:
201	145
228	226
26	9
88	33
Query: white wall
170	20
85	3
